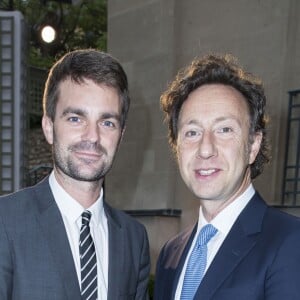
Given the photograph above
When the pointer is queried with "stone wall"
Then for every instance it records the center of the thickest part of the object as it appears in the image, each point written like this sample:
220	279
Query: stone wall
153	39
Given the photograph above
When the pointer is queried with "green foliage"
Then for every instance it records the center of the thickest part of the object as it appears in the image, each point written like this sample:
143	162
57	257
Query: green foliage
151	286
83	25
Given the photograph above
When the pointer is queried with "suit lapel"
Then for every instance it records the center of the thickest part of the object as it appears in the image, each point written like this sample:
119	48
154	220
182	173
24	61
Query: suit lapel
116	253
181	250
240	240
54	232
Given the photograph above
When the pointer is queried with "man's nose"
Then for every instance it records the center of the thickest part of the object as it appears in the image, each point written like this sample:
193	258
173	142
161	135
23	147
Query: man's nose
207	147
91	132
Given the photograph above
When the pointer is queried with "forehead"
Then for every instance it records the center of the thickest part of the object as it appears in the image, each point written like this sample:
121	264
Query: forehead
68	84
86	91
214	100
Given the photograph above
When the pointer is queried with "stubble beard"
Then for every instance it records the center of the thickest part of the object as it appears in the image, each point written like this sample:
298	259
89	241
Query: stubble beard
64	162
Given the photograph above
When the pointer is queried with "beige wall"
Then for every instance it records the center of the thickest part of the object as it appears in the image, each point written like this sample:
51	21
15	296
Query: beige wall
153	39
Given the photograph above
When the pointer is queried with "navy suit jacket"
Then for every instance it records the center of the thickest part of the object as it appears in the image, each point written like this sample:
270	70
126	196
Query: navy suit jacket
36	261
259	259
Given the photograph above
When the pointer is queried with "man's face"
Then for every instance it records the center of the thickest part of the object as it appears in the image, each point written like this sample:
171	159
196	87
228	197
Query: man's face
86	131
213	143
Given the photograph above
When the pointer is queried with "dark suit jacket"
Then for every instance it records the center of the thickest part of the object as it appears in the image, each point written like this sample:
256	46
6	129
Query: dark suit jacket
36	262
259	259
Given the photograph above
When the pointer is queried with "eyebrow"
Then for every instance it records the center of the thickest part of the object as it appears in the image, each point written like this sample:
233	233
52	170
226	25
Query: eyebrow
111	116
217	120
221	119
82	112
76	111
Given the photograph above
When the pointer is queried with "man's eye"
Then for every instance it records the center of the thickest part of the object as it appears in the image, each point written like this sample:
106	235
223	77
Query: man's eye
74	119
191	133
108	123
225	130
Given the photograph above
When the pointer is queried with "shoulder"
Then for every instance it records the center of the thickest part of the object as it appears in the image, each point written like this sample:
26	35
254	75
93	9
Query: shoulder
258	216
123	220
279	230
178	243
181	237
282	222
13	198
25	198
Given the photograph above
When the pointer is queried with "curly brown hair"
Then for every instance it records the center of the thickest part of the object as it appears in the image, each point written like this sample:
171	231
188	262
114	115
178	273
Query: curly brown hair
219	69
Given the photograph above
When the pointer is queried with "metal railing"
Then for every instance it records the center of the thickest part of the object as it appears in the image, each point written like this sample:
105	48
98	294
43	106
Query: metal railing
291	177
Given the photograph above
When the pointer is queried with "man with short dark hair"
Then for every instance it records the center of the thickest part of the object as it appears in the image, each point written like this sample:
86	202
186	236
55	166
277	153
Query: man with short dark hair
60	239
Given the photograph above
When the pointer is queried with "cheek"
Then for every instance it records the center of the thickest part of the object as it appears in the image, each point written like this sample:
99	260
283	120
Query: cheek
110	142
236	152
244	154
68	135
180	154
184	158
59	138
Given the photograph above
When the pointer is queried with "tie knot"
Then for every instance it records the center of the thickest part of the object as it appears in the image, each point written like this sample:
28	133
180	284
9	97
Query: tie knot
86	217
206	233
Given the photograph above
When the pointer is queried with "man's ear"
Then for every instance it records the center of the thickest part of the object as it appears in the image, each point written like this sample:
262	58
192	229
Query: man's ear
47	125
255	147
122	133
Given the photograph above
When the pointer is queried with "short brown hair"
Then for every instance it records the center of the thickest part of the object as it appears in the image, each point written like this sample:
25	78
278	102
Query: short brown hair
91	64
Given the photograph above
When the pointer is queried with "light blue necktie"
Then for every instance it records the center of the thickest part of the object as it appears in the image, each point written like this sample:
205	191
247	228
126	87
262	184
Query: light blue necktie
197	263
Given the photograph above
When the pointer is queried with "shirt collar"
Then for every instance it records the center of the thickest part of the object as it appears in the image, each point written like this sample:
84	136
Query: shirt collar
225	219
70	208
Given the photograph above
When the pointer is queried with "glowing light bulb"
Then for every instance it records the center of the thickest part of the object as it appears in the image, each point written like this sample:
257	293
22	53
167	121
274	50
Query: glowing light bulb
48	34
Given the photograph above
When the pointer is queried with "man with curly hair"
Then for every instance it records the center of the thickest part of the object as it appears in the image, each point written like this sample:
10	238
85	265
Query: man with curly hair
240	247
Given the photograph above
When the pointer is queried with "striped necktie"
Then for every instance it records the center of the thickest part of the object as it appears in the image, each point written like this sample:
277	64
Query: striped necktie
197	263
88	260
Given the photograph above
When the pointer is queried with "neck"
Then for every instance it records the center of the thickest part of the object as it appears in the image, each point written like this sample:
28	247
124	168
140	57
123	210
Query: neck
84	192
212	207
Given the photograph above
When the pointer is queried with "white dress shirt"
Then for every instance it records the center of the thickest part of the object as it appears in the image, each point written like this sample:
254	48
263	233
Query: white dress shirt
71	212
223	222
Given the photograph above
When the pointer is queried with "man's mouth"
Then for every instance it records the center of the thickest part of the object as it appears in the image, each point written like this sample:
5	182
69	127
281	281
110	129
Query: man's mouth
206	172
88	156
